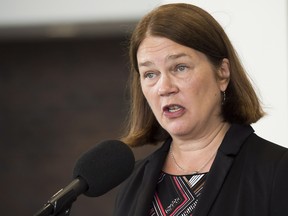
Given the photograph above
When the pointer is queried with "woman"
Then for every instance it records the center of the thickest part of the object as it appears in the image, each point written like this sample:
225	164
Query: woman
190	93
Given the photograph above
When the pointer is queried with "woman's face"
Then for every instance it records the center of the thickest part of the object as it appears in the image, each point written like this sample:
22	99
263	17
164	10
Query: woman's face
181	86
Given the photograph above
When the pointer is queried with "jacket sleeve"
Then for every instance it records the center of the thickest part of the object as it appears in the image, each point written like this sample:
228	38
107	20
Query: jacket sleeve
279	198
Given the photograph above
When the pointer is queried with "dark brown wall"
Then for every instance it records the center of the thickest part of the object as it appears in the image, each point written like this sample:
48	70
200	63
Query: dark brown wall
58	99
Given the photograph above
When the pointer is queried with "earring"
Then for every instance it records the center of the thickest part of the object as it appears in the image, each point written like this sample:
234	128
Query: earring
223	98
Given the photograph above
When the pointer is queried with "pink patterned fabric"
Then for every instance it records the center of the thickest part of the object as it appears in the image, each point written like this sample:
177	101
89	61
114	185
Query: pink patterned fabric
177	195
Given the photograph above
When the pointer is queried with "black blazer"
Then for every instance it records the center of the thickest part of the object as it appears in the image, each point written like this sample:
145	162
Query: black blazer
249	177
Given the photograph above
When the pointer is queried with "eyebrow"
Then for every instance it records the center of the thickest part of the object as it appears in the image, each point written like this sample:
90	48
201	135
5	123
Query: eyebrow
145	64
170	57
176	56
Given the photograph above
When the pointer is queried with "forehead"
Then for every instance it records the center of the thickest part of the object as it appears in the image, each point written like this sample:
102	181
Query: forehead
159	49
153	44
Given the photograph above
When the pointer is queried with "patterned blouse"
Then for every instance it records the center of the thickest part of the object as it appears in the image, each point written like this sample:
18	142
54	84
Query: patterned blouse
177	195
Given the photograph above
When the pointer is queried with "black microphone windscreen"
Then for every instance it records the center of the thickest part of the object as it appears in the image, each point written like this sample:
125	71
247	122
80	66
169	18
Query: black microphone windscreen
105	166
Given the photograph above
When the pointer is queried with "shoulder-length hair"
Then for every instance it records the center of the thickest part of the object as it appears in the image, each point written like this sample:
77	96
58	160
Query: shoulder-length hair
193	27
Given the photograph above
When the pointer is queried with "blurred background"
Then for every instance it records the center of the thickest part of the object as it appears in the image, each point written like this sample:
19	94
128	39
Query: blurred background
63	79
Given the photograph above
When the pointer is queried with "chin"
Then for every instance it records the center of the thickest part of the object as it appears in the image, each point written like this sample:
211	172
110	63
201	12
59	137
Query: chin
177	132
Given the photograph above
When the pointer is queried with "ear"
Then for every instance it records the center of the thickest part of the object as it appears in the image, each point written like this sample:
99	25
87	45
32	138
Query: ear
223	74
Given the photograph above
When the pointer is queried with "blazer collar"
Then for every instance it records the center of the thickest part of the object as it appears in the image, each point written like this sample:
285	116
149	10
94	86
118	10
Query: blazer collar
227	151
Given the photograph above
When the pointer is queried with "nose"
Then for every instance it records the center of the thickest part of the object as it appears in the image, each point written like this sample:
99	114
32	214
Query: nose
167	86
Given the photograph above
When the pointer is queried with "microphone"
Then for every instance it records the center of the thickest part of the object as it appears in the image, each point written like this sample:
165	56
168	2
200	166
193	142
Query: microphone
96	172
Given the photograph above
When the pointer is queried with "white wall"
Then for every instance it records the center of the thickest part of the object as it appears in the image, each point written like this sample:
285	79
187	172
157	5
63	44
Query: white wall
257	28
37	12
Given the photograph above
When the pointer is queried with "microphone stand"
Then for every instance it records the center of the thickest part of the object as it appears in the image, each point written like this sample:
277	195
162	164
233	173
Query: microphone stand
60	203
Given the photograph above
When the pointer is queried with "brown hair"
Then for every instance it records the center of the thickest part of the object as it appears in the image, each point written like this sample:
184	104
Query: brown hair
193	27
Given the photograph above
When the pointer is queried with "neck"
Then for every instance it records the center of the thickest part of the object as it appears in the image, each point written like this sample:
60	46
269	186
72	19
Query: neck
195	156
202	140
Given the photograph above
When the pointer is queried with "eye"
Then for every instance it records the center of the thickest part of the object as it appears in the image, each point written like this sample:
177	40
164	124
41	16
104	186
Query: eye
181	67
149	75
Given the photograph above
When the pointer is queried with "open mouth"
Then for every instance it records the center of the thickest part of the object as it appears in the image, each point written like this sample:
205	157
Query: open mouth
172	108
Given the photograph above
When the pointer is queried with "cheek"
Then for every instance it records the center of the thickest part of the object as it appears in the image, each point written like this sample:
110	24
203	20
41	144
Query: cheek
192	85
210	92
144	90
150	96
202	87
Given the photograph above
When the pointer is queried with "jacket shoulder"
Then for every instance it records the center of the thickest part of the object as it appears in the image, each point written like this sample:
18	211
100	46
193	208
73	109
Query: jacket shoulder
261	147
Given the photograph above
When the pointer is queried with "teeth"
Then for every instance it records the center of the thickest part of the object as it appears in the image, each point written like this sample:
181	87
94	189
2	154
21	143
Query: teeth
174	108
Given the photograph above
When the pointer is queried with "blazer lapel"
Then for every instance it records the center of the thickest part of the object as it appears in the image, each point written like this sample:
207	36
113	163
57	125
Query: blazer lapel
229	148
151	174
